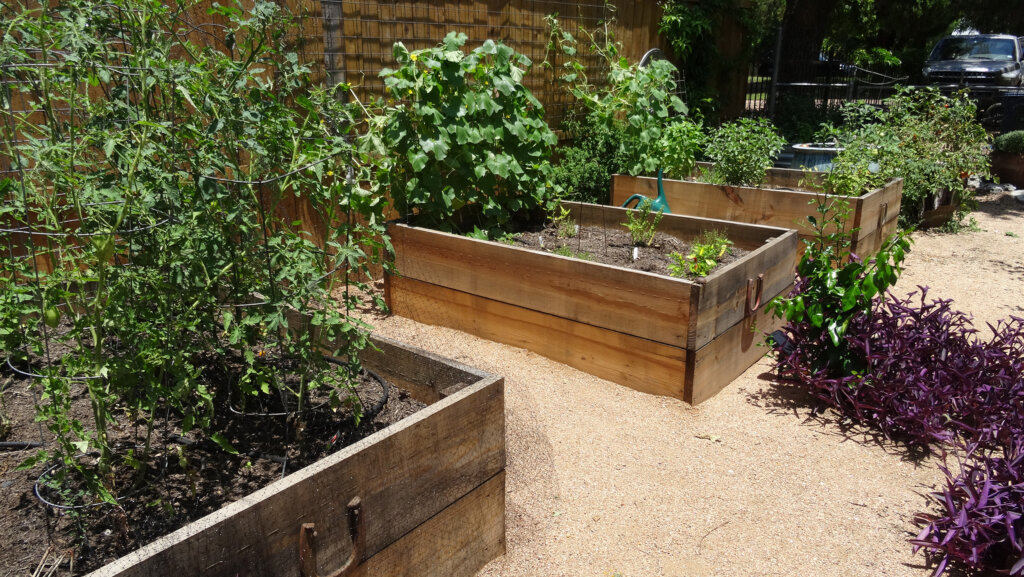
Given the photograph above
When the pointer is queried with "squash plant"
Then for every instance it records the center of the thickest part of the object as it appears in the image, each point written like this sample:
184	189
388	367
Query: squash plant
461	129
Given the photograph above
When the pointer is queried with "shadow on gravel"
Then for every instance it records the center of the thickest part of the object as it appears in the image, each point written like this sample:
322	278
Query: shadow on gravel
785	398
1000	205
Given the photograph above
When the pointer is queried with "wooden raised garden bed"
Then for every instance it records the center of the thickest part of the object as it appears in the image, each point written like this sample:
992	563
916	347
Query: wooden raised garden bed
653	333
786	200
431	491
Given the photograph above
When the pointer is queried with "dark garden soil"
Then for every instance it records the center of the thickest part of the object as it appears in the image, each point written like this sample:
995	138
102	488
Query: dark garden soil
187	476
615	247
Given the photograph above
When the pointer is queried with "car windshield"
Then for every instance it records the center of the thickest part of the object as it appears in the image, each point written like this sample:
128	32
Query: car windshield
973	48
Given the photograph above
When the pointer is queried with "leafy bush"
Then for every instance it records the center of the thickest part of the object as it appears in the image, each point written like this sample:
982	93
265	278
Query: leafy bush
743	151
856	169
1011	142
636	106
932	141
638	102
601	149
827	299
463	130
706	252
585	168
681	143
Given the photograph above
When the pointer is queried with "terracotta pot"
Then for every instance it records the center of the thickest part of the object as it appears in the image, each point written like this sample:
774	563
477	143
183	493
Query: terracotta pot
1008	167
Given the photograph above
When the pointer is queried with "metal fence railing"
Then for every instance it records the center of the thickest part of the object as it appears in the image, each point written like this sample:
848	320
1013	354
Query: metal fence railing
826	84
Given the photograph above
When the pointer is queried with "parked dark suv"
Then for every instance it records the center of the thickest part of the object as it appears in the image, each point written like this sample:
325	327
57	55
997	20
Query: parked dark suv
989	64
975	60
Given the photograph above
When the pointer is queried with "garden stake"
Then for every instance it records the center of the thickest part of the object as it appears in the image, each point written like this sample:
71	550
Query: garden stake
659	204
307	544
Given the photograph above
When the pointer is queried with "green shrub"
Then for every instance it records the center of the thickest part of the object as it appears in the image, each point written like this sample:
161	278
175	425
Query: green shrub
856	169
584	171
638	103
681	143
833	289
464	130
1011	142
743	151
636	106
931	140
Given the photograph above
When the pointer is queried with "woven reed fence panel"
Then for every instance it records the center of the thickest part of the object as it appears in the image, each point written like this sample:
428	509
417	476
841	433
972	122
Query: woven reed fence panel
358	35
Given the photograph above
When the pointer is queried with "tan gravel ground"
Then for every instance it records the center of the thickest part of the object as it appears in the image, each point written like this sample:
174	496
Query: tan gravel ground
605	481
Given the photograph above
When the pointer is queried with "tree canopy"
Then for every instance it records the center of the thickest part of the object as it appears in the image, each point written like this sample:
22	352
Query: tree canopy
870	28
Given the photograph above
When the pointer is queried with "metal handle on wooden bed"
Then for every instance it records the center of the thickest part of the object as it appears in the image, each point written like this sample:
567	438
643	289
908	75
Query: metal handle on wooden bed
307	544
755	293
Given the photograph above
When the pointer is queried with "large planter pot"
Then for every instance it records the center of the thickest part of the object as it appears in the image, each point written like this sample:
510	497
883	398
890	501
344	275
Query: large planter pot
380	504
653	333
786	200
816	156
1008	167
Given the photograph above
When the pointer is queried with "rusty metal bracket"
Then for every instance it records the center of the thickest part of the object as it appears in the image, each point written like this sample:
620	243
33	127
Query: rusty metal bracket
751	283
307	544
883	213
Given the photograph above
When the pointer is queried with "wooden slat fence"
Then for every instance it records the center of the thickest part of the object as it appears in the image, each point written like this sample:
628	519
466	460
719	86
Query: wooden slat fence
358	35
351	40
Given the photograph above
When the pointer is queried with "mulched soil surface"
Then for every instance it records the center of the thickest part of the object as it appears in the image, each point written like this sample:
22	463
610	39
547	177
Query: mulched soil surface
189	476
615	247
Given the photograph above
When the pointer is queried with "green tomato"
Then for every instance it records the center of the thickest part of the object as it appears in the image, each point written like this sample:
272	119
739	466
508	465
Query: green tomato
51	317
103	247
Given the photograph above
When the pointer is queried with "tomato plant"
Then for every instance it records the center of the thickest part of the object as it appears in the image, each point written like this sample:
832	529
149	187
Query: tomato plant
148	224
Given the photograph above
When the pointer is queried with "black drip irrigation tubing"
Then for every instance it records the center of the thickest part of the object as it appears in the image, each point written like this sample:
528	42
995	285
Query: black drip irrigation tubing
62	507
20	445
334	361
374	410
